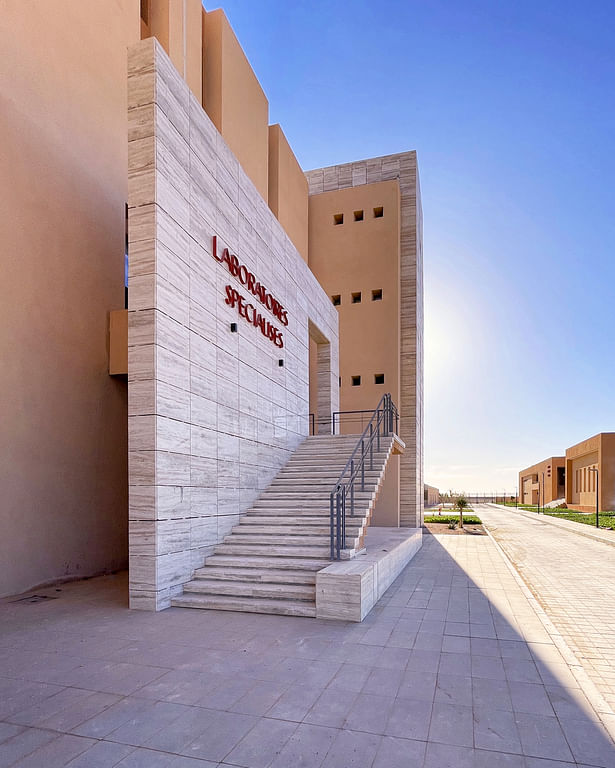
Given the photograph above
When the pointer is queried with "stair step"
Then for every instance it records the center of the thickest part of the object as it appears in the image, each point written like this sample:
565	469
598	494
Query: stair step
252	589
245	537
287	530
277	563
236	572
265	549
246	604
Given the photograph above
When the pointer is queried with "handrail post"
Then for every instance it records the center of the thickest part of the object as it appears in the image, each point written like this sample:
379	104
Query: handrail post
352	487
362	464
379	426
343	521
331	527
371	447
338	526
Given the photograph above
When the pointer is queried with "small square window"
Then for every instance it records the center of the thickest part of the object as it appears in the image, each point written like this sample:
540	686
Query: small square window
377	294
358	215
356	297
379	378
356	381
378	212
338	218
337	300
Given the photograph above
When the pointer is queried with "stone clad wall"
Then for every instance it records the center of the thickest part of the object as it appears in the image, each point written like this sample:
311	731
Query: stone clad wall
403	167
213	415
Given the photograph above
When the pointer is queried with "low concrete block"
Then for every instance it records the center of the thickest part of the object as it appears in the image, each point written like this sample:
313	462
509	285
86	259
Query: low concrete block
349	589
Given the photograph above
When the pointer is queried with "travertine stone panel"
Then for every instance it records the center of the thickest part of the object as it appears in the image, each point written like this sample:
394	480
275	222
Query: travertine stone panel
213	415
402	167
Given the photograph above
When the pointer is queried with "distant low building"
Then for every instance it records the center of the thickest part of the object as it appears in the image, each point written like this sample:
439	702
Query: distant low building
543	482
431	495
597	452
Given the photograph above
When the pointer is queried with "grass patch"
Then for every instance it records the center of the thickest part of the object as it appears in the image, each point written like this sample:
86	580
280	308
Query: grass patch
605	519
469	519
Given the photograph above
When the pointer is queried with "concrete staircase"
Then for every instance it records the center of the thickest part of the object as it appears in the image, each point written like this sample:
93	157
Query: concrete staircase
268	563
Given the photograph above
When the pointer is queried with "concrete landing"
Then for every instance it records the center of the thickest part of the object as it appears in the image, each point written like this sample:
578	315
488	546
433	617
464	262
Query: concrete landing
349	589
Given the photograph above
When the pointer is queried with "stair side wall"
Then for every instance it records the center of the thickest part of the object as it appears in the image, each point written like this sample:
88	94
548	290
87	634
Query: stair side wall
215	406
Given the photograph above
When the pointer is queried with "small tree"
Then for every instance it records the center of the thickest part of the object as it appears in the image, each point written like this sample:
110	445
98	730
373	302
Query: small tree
461	503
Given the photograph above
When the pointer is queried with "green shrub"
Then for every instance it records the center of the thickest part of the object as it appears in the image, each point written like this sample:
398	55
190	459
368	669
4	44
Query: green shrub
467	519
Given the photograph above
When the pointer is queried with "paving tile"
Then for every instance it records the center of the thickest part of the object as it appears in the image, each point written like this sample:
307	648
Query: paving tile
262	744
487	759
521	671
425	661
416	684
295	703
542	737
455	644
454	689
306	748
369	713
530	698
17	695
223	732
184	730
496	729
491	693
351	677
409	719
383	682
455	664
331	708
23	744
56	753
447	756
8	730
116	713
352	749
589	742
41	711
487	666
146	722
103	754
451	724
399	753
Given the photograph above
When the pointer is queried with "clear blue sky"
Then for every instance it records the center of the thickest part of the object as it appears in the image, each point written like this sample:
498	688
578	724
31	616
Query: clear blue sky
510	105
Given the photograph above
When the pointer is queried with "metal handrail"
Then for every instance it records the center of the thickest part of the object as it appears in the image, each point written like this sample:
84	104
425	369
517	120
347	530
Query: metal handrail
384	422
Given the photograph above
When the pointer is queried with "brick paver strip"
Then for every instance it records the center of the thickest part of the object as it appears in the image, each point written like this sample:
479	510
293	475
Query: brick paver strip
581	529
573	579
455	666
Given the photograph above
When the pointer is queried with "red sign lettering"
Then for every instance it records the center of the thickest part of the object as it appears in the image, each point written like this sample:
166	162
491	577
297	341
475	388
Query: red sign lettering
244	308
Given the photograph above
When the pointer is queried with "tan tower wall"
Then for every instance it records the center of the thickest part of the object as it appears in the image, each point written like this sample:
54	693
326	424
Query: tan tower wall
402	170
62	224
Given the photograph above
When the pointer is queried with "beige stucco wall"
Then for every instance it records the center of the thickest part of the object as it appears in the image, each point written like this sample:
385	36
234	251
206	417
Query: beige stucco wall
177	24
288	190
362	256
401	168
597	451
62	225
234	99
546	472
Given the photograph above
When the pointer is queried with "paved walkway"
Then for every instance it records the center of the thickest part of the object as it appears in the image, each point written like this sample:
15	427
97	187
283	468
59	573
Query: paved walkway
452	669
573	578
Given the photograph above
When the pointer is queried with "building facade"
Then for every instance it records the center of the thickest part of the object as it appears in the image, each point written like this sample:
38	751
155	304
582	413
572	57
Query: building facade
431	496
595	453
543	482
143	434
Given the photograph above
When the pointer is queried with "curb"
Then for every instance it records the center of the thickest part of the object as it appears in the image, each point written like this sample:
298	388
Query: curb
602	709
